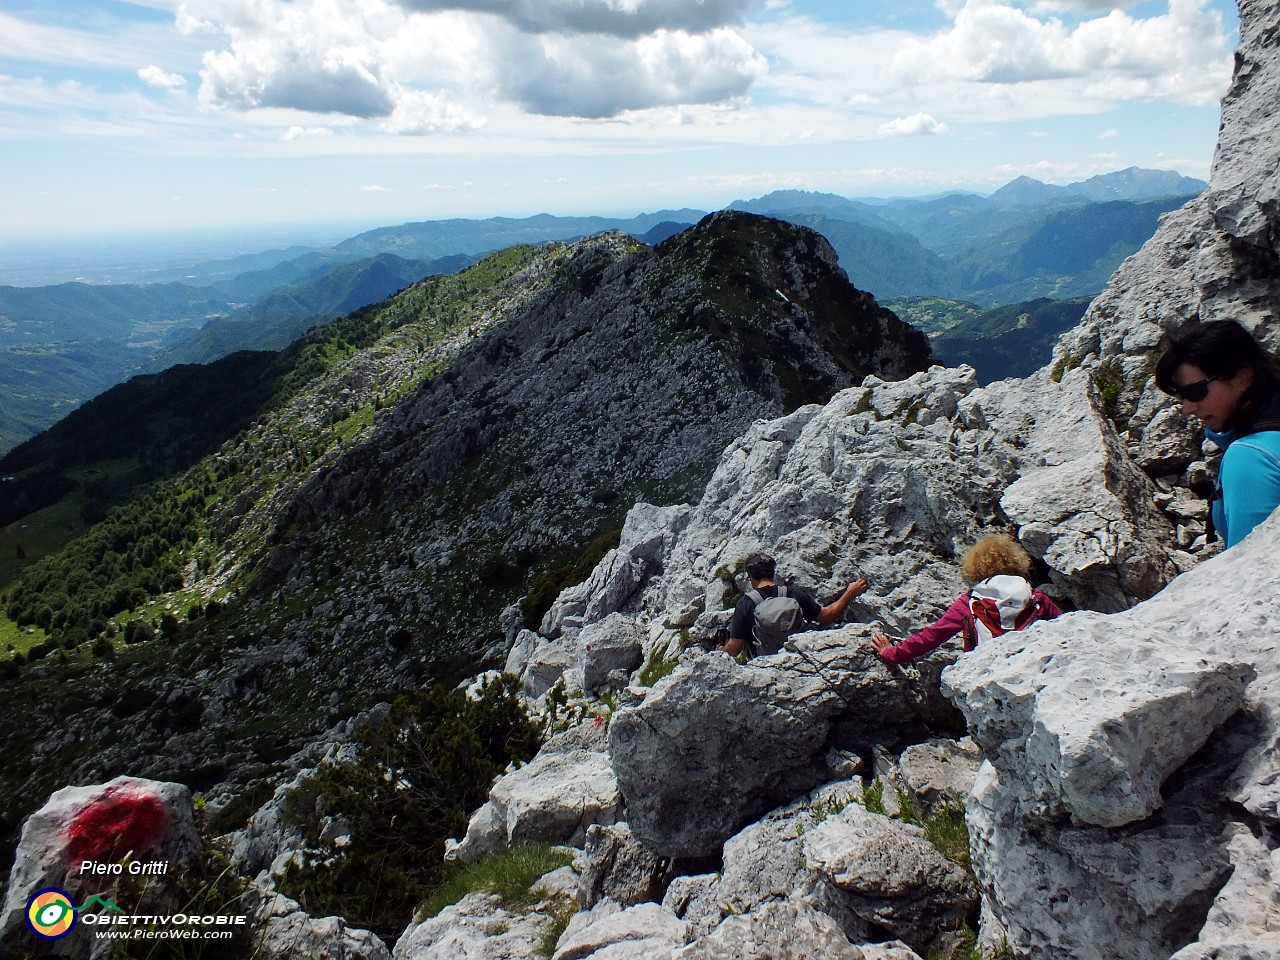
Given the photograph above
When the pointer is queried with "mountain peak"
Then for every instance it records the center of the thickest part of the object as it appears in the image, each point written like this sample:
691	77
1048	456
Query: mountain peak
1131	183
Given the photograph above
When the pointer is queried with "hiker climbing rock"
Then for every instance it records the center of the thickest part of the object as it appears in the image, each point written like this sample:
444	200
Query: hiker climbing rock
1001	599
770	612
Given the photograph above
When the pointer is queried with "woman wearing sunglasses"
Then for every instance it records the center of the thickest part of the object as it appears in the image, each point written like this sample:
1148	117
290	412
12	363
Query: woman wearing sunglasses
1231	384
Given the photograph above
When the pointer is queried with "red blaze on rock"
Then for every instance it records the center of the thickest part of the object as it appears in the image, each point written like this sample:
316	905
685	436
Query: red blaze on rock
121	821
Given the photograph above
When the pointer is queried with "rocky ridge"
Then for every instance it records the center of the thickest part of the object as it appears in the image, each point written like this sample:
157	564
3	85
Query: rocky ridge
370	529
1123	802
1119	774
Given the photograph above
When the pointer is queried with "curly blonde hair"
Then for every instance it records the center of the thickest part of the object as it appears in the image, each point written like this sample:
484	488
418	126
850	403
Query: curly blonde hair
994	555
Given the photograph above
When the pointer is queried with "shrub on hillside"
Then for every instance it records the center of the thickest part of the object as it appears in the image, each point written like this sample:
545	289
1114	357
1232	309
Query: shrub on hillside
420	771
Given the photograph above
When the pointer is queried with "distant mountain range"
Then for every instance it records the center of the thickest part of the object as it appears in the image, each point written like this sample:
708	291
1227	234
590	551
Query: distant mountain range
367	502
61	345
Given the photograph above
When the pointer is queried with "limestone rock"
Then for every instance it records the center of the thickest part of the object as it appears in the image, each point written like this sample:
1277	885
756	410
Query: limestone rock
614	643
554	798
617	867
540	663
683	893
893	950
1090	725
939	771
1084	507
891	875
610	585
1175	667
1245	917
777	931
475	928
647	931
282	929
1085	892
486	835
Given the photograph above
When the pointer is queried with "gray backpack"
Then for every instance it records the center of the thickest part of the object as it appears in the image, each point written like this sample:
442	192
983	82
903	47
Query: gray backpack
776	618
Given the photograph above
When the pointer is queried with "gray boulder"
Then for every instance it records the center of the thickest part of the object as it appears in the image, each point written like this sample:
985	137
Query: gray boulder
539	662
614	643
617	867
554	798
765	864
891	875
1101	720
647	931
1087	724
778	931
938	772
282	929
708	747
715	744
478	927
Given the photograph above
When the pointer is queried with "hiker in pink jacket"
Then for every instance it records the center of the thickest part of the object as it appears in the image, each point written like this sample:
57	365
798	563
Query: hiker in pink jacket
1001	599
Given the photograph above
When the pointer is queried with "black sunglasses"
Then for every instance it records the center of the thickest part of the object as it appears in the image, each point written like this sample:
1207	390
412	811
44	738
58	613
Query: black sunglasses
1193	392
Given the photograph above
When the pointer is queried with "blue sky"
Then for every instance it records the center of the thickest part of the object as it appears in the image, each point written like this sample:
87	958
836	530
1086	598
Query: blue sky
160	114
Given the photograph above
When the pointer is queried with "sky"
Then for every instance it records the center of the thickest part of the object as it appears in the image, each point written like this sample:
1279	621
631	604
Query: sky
184	114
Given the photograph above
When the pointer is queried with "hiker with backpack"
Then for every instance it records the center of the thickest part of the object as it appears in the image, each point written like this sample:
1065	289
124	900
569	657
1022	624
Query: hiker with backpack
1000	600
770	612
1231	384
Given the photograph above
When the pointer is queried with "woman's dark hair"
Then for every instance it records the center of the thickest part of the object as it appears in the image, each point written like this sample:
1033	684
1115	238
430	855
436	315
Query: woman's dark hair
1221	348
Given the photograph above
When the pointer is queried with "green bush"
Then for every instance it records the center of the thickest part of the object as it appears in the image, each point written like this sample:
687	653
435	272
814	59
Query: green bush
419	773
510	875
873	798
657	666
556	926
945	829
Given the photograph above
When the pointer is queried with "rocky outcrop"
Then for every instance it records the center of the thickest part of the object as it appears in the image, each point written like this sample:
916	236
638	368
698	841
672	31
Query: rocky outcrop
785	931
478	927
282	929
608	933
1127	794
714	745
1216	258
618	868
1118	722
891	875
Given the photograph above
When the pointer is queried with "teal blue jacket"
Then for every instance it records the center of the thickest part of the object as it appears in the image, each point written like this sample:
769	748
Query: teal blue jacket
1248	482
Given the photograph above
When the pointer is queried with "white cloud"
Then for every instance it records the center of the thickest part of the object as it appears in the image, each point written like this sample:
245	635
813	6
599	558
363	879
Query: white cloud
419	112
28	41
443	68
318	57
620	18
301	133
374	188
1182	55
918	124
560	76
1079	6
1109	134
153	76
